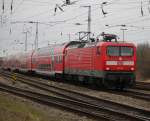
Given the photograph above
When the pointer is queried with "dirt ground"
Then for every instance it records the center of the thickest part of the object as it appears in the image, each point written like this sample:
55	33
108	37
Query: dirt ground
147	81
142	104
53	114
13	108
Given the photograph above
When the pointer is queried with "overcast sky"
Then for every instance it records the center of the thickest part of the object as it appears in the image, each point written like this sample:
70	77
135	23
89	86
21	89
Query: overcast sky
57	28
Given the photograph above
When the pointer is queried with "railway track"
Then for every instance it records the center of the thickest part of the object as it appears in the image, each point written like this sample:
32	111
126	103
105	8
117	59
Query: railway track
59	102
142	86
129	93
123	112
133	93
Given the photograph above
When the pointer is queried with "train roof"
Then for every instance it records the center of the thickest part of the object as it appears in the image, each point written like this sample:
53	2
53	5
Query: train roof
99	43
115	44
57	48
60	48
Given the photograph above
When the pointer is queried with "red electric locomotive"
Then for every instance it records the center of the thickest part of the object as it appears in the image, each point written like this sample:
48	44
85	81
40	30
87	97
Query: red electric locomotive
109	64
106	63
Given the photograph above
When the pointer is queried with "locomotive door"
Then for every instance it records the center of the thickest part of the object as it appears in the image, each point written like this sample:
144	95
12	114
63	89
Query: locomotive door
92	60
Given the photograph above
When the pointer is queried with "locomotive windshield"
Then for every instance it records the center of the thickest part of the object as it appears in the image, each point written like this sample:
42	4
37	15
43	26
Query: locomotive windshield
119	51
113	51
126	51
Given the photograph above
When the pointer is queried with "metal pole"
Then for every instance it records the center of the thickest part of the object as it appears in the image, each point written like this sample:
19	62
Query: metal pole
26	38
26	41
3	6
36	37
32	46
123	33
1	21
11	7
89	23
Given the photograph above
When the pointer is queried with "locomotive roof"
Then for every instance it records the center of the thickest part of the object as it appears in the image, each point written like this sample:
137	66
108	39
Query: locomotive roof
77	44
100	43
114	44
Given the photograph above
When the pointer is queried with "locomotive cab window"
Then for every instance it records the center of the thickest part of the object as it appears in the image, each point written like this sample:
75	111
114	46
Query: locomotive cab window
119	51
113	51
126	51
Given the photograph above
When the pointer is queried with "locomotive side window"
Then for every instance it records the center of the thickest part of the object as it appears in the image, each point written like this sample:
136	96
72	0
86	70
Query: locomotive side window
126	51
113	51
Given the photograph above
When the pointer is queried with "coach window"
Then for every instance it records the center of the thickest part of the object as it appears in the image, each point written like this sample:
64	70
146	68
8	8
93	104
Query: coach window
46	66
55	59
59	59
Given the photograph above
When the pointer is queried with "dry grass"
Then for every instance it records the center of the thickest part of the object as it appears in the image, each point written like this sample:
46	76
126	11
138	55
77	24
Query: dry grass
13	108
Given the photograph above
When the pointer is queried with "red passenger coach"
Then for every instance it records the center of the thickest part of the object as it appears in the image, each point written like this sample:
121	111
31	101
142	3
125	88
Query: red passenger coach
109	64
50	60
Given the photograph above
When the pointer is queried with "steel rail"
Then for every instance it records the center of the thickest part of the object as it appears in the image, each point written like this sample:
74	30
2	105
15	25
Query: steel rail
142	86
132	112
76	106
134	94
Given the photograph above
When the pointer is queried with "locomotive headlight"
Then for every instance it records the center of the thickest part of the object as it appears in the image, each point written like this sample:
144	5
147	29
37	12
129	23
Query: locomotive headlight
107	68
132	69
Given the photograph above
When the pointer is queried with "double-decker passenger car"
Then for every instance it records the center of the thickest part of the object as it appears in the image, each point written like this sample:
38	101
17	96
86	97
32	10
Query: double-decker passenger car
109	64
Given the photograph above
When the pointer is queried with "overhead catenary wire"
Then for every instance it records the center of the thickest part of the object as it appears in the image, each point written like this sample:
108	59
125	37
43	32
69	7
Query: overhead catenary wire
142	13
66	21
18	6
44	12
36	15
93	10
7	9
123	19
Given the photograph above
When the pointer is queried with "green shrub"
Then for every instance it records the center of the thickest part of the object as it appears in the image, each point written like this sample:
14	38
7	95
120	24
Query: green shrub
143	61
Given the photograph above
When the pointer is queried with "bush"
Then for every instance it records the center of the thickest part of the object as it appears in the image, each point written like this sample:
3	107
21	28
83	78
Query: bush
143	61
